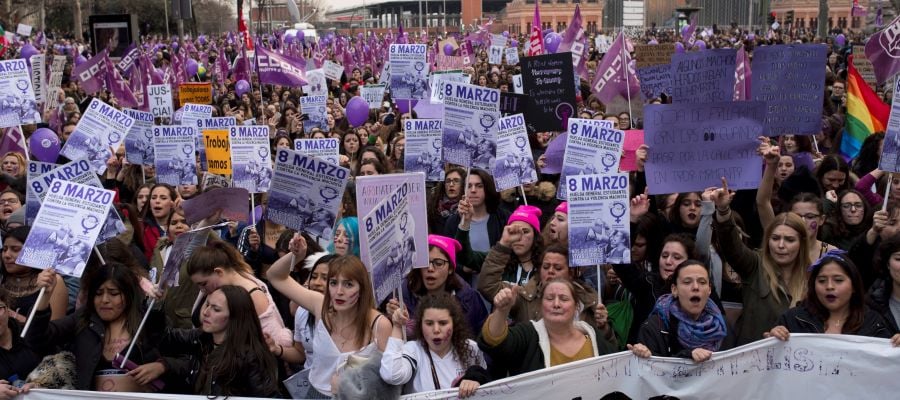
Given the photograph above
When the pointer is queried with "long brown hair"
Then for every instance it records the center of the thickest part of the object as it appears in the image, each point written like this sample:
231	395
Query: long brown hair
461	332
217	254
351	267
796	288
243	341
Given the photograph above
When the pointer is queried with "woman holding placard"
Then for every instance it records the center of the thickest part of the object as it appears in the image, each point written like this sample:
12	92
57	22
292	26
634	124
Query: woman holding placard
442	357
347	323
21	283
103	330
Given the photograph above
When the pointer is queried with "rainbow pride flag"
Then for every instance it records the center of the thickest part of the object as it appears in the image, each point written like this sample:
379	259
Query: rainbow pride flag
866	113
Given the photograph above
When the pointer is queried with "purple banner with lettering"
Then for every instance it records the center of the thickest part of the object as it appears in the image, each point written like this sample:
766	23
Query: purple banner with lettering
791	80
692	146
703	76
280	69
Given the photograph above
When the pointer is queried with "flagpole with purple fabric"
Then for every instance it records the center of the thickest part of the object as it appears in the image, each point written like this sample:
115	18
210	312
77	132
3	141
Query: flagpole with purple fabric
627	83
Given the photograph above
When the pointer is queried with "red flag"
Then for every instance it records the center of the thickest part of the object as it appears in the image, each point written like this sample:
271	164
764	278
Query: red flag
536	41
242	26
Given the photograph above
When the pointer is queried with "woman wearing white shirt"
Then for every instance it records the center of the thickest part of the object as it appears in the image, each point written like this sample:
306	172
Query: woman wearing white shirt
442	358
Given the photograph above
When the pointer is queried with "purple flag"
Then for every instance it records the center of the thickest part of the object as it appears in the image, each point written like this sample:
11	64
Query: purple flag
615	75
574	41
879	16
883	50
280	69
118	87
90	73
401	36
222	61
687	34
126	64
742	76
13	141
139	89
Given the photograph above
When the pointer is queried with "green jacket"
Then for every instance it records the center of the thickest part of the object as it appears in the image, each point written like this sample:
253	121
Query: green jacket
761	309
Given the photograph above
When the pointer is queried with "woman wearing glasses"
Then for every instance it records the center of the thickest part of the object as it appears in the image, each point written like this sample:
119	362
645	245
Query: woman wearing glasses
848	221
443	199
440	276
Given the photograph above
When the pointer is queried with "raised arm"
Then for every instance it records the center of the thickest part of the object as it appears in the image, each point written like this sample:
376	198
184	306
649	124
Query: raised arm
741	258
771	154
490	280
280	278
398	366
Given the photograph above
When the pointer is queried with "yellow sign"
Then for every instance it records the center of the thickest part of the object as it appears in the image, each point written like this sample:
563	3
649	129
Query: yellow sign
218	151
197	93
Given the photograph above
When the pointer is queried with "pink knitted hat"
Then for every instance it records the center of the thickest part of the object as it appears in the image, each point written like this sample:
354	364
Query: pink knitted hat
447	245
528	214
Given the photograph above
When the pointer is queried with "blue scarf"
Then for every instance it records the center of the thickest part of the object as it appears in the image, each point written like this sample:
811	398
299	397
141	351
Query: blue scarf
706	332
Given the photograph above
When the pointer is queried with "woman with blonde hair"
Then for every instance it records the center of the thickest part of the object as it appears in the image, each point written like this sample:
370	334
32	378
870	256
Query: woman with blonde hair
773	278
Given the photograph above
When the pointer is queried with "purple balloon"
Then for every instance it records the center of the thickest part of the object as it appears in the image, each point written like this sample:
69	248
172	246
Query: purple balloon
841	40
551	42
191	67
300	35
202	40
357	111
405	105
27	51
79	60
506	34
679	48
652	42
751	36
448	49
288	38
700	44
241	87
44	144
514	43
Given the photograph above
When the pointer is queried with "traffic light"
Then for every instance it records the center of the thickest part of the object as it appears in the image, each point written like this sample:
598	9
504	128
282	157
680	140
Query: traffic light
771	17
789	18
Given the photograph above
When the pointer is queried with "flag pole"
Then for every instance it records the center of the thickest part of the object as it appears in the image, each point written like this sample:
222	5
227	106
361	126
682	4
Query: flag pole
627	84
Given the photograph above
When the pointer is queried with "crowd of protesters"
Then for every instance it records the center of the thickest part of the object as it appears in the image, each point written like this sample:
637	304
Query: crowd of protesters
814	250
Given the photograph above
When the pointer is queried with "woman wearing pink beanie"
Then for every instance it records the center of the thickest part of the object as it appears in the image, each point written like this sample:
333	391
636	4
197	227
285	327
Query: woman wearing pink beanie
557	229
441	276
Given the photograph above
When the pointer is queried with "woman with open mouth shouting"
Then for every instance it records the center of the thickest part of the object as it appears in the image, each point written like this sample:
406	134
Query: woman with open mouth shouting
442	357
685	323
773	278
347	323
835	303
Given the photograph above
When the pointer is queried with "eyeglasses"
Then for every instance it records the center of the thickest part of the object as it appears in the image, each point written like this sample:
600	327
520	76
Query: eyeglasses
452	181
810	216
850	206
438	262
4	202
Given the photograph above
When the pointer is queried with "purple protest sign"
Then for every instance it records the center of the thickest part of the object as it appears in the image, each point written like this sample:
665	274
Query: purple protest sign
791	80
704	76
553	156
232	202
692	146
655	79
280	69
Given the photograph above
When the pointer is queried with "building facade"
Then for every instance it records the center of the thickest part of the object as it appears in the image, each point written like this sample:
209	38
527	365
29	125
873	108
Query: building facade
555	14
806	13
